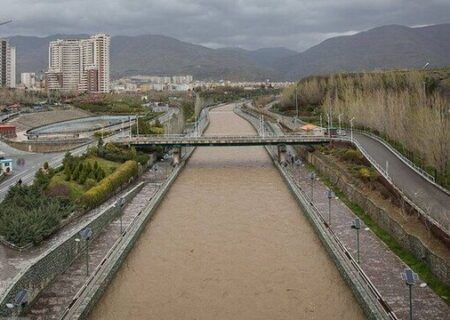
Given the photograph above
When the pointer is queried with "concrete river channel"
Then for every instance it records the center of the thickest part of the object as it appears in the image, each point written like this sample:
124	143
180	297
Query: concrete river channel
228	242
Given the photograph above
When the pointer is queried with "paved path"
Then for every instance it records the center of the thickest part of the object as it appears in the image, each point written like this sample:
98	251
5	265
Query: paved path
381	265
420	191
52	302
424	194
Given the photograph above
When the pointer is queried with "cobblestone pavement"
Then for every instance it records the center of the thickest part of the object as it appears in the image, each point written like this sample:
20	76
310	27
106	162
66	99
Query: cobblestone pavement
381	265
56	297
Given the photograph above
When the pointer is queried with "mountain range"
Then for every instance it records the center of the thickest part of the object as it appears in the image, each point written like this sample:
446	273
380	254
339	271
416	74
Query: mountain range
383	47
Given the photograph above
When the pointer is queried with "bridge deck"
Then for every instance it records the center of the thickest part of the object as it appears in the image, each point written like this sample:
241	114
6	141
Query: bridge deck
220	141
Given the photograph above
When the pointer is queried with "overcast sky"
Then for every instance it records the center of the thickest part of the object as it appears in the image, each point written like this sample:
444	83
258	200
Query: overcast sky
296	24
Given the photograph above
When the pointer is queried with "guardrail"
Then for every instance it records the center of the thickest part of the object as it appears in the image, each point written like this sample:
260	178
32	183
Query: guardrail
225	139
445	232
405	160
400	191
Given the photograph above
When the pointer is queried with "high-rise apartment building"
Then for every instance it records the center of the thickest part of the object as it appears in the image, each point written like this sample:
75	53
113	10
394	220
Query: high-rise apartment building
7	65
28	79
79	65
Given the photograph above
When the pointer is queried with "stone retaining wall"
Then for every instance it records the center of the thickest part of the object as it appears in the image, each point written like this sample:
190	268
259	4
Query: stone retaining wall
46	146
42	270
437	265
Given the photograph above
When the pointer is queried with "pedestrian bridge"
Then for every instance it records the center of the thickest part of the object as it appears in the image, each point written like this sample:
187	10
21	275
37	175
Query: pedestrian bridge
222	141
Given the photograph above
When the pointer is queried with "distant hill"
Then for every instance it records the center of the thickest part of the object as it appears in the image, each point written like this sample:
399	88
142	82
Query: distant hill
385	47
161	55
154	54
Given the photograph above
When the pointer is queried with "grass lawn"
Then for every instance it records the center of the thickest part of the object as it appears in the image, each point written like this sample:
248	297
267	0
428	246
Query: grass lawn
106	165
76	189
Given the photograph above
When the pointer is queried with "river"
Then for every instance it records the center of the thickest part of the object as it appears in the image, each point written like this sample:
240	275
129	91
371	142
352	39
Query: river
228	242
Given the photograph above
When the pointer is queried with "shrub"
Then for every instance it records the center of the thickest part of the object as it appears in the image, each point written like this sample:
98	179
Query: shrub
90	183
353	155
42	179
367	174
103	190
142	158
27	215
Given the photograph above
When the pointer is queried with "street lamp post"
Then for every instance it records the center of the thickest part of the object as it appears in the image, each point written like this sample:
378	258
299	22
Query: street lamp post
357	226
121	204
339	119
330	195
86	235
312	177
351	128
410	279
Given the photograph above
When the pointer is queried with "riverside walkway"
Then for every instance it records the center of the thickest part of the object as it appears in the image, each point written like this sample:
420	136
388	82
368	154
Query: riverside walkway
382	266
53	300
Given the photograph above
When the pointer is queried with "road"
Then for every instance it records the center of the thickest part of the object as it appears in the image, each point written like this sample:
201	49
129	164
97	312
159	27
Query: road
424	194
26	172
420	191
33	161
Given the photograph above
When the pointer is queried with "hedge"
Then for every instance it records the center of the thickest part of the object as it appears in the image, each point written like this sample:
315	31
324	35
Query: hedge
103	190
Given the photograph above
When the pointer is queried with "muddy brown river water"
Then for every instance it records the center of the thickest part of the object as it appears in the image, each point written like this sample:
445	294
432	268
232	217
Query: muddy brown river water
228	242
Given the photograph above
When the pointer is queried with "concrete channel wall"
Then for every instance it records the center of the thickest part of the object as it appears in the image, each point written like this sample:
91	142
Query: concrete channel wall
413	244
42	270
366	294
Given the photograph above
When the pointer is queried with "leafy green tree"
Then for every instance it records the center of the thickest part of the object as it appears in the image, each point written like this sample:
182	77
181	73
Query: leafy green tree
41	179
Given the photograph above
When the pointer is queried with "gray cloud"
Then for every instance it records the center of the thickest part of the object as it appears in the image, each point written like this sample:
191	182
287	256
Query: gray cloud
297	24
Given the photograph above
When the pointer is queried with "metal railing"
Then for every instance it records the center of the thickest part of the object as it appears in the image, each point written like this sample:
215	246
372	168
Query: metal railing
405	160
345	253
400	191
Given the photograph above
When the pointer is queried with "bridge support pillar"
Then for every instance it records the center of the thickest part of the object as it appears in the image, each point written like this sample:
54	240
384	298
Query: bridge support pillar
282	155
176	156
